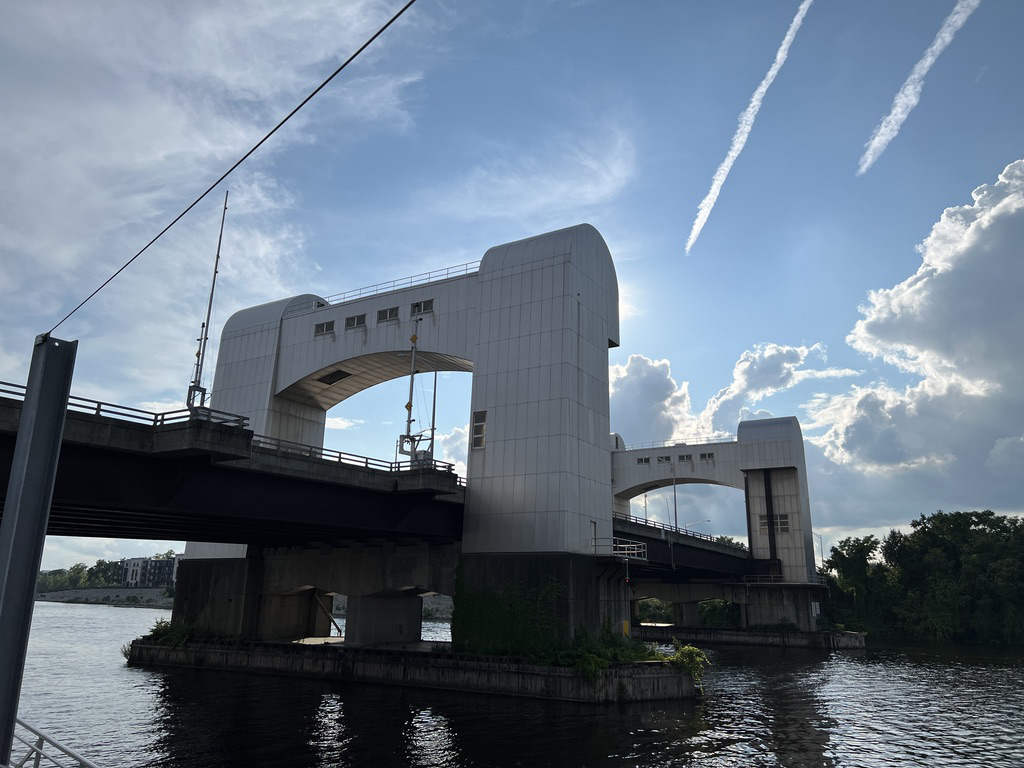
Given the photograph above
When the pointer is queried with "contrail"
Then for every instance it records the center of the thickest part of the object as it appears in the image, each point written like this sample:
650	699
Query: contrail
910	93
746	122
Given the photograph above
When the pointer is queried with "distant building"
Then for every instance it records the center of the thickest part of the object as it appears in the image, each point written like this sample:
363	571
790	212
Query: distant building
149	571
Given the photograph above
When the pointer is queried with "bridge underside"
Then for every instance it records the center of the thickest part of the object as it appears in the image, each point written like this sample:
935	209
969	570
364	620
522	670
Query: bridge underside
330	385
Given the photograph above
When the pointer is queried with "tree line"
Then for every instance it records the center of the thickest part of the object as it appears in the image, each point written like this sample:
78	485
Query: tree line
105	573
955	577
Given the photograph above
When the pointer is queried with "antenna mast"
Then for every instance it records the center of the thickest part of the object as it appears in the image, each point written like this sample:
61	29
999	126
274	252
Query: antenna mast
196	389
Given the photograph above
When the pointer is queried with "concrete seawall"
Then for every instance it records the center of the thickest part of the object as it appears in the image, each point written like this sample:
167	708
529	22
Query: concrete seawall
767	637
645	681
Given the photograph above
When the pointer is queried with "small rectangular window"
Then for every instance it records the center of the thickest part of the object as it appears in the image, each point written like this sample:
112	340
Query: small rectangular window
419	307
686	457
644	460
383	315
781	523
707	457
664	459
321	329
479	428
355	321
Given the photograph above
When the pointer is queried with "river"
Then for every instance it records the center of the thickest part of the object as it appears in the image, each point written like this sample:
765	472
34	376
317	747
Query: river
789	708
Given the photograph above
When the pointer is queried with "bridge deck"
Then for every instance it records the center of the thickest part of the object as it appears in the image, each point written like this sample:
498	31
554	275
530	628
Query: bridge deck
208	480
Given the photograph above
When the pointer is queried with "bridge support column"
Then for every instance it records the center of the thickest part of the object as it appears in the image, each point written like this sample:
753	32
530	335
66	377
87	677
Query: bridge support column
379	619
686	614
303	613
520	603
219	596
779	606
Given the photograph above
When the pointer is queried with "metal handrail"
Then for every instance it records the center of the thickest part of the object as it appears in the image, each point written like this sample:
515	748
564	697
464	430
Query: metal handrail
405	282
675	529
286	447
777	578
137	415
390	285
689	442
616	547
41	747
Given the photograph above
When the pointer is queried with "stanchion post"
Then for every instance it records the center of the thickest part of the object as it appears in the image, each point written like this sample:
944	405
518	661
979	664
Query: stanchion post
26	513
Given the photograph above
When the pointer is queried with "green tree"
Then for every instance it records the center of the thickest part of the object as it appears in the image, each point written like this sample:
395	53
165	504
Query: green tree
106	573
77	575
52	581
863	583
955	577
731	540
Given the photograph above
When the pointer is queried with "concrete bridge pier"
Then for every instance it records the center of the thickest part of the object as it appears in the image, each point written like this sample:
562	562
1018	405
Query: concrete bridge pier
543	599
386	618
765	605
284	593
686	614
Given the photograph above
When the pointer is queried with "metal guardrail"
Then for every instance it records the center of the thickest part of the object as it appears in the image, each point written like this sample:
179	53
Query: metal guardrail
136	415
675	529
43	750
259	442
391	285
286	448
689	442
406	282
616	547
776	578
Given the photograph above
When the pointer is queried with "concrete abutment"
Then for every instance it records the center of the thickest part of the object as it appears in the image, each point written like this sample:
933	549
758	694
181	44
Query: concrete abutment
536	601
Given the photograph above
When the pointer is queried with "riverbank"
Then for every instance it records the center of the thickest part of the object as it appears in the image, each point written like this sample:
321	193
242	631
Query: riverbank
130	597
778	638
640	681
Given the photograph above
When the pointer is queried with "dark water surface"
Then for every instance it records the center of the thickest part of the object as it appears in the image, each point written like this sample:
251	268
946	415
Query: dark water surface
792	708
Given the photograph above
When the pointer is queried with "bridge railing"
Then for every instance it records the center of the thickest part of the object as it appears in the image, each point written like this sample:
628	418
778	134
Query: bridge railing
676	529
406	282
616	547
42	750
684	441
391	285
777	578
137	415
287	448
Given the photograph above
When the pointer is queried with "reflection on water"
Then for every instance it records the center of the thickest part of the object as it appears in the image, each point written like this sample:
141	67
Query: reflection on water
762	708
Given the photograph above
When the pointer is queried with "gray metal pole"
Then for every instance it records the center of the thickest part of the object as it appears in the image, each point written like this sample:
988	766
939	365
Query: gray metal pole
26	512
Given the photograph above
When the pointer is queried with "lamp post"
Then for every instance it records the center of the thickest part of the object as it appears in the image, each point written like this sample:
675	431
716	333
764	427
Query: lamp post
686	526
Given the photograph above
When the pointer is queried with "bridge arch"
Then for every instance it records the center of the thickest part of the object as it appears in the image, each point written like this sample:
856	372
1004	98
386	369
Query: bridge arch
534	324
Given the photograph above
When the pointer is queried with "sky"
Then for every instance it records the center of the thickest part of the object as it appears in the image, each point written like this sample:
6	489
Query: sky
815	209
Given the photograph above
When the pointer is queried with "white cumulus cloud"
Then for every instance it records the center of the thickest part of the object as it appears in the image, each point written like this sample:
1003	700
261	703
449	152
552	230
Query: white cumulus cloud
956	326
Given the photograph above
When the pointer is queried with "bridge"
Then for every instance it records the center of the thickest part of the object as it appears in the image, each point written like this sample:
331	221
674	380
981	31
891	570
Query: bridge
547	492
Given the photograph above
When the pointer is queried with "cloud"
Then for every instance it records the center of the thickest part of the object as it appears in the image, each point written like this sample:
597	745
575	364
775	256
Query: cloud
455	448
647	405
910	93
644	394
569	173
115	118
746	124
955	326
337	422
760	372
